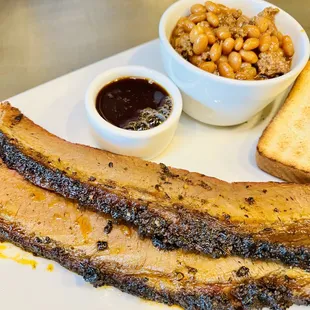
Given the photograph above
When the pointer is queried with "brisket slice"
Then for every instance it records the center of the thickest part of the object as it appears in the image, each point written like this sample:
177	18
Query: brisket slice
173	207
50	226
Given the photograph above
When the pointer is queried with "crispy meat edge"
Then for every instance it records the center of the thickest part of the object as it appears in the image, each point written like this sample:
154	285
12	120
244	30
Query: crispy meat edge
271	292
195	231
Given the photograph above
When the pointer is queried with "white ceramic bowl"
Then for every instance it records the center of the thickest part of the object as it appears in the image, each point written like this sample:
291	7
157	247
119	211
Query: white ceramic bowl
221	101
146	144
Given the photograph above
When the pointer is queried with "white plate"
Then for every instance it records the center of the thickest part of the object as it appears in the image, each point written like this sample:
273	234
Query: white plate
226	153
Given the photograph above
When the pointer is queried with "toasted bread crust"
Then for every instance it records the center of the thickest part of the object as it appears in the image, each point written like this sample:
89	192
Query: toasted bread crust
271	164
280	170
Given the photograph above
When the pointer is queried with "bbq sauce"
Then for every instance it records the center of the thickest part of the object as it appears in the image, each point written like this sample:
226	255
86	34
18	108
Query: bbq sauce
134	103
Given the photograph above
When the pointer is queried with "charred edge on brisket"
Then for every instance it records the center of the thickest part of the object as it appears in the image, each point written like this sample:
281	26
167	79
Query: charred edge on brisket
195	231
249	295
108	228
102	245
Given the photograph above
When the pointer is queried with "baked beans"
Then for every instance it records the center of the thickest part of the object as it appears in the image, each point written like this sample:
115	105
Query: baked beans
196	60
252	31
264	43
228	46
223	58
235	61
226	70
188	25
197	17
249	56
223	41
197	30
274	46
208	66
251	44
200	44
212	7
238	44
223	33
215	52
211	37
198	8
288	46
213	19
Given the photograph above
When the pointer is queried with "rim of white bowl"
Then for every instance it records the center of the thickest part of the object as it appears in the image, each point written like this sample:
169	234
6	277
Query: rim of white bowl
139	72
298	68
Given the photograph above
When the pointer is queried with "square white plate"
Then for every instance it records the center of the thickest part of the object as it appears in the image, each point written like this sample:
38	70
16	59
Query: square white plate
58	106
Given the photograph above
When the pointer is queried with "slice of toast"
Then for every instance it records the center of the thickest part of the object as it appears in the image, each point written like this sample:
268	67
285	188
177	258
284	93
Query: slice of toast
284	147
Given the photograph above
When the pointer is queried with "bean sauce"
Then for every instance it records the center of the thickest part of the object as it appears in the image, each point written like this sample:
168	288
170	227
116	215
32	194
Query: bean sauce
134	103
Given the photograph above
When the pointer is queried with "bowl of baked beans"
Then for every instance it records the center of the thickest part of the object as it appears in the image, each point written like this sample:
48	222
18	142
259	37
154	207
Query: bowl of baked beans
231	58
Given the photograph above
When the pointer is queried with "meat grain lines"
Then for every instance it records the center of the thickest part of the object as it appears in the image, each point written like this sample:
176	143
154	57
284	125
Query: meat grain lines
173	207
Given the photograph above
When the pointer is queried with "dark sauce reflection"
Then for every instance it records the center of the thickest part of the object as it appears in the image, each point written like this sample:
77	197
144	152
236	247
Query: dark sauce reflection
134	103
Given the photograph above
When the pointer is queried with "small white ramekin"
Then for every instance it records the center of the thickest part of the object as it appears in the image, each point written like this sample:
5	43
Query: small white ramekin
221	101
145	144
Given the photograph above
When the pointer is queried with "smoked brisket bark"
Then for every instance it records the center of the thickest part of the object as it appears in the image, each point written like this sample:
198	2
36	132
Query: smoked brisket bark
174	207
50	226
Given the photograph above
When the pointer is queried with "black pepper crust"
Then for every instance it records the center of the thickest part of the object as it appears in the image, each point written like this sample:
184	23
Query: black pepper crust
251	294
193	231
108	228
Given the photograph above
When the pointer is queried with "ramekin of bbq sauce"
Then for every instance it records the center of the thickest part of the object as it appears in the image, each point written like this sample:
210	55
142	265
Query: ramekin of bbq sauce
133	111
134	103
